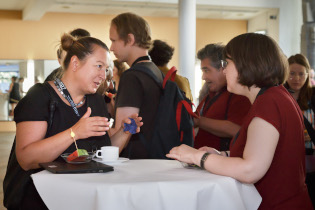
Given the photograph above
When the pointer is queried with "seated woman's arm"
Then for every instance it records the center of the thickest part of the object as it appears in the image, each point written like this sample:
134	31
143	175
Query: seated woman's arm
262	140
32	148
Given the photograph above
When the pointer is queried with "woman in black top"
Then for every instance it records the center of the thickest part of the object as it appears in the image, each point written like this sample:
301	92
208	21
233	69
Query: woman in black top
77	110
14	96
300	88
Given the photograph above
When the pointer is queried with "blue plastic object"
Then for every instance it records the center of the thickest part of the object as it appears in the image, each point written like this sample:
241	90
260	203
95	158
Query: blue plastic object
132	127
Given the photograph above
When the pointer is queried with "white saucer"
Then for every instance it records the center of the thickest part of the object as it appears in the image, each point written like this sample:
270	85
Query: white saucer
111	162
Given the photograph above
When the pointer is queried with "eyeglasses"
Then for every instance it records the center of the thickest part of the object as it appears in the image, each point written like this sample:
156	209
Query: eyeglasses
224	64
301	75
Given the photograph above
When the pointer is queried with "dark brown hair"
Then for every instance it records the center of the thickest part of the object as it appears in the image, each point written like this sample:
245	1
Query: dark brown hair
129	23
81	47
214	52
258	60
77	33
161	53
306	90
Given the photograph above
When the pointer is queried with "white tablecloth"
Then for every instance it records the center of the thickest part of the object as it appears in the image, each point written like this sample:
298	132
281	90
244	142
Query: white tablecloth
147	185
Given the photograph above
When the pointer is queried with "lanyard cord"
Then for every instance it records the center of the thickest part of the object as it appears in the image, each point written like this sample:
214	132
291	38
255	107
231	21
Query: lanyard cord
65	93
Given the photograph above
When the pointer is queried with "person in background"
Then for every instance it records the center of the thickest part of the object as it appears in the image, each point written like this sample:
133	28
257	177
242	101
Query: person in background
137	92
298	84
161	54
221	112
57	73
109	88
21	81
269	149
14	94
312	77
118	70
79	112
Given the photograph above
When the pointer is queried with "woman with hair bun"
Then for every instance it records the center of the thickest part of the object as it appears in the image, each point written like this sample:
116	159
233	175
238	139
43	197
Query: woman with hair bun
78	111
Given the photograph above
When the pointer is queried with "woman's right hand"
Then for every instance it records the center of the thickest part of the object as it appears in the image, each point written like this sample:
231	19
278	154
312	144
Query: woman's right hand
90	126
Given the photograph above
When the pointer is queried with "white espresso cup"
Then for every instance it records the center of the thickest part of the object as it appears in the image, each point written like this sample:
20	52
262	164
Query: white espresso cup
108	153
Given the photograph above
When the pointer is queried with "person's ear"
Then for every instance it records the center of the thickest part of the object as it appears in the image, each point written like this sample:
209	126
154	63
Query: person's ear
74	62
131	39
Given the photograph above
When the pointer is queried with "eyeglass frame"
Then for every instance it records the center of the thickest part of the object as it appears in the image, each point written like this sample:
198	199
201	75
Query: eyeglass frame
301	76
223	64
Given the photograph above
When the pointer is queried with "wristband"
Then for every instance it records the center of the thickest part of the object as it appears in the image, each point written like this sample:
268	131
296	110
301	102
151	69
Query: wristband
203	159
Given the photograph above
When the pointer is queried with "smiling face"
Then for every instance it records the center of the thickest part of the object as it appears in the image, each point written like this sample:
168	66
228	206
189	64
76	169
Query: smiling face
118	46
92	70
297	76
213	77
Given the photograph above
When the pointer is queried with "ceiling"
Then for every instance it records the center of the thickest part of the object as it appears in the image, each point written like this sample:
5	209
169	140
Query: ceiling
35	9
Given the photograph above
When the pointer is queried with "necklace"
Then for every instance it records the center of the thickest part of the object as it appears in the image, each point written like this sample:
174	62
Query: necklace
61	87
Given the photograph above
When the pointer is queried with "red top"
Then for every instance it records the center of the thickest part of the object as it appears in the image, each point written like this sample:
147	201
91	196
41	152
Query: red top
237	110
283	186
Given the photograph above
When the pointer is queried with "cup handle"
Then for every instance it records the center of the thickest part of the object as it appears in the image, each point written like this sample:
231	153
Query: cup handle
99	156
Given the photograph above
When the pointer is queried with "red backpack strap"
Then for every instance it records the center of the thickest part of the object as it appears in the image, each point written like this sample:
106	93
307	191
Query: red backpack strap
170	74
179	111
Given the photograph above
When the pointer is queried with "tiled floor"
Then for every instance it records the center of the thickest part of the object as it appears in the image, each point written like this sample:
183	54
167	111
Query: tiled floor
6	140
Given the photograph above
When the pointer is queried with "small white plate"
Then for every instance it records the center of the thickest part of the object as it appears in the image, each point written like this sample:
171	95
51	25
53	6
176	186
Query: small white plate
111	162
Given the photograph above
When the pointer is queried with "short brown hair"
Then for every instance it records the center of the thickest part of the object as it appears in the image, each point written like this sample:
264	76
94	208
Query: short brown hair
258	60
129	23
306	91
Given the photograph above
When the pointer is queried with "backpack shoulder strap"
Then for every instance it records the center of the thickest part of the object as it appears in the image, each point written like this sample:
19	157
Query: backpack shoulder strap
52	104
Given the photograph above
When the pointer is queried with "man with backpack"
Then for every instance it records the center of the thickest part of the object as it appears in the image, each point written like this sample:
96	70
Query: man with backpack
161	53
221	112
141	91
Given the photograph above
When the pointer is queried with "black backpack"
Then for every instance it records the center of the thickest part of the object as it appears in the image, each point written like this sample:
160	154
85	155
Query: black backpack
173	122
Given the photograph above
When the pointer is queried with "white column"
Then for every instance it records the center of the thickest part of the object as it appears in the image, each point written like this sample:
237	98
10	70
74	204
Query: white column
187	40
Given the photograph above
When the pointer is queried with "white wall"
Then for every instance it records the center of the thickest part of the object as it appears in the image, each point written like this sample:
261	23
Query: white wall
290	18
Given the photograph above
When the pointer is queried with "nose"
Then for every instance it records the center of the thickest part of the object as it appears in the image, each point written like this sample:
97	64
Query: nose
224	71
203	77
103	74
111	47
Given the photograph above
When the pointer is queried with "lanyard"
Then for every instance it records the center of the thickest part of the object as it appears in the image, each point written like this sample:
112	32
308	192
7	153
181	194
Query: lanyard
143	58
65	93
207	104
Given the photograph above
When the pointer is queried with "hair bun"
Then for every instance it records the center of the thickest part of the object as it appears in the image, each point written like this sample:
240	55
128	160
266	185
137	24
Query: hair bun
67	41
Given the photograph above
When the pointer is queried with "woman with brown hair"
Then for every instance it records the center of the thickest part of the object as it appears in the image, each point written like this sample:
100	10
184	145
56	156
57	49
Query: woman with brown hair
78	112
269	150
299	86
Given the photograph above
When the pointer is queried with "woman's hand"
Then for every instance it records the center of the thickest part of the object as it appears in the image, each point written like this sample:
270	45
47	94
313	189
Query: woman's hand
186	154
90	126
128	121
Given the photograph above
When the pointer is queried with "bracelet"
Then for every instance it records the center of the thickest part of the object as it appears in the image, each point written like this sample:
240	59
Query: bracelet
226	153
203	159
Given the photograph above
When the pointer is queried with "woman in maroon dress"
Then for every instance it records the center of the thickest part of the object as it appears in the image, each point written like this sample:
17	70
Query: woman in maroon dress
269	150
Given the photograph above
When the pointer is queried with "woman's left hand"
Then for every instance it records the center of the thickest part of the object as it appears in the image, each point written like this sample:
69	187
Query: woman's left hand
137	121
185	154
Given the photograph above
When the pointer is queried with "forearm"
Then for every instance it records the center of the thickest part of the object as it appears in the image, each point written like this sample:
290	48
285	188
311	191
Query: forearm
221	128
237	168
120	139
45	150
